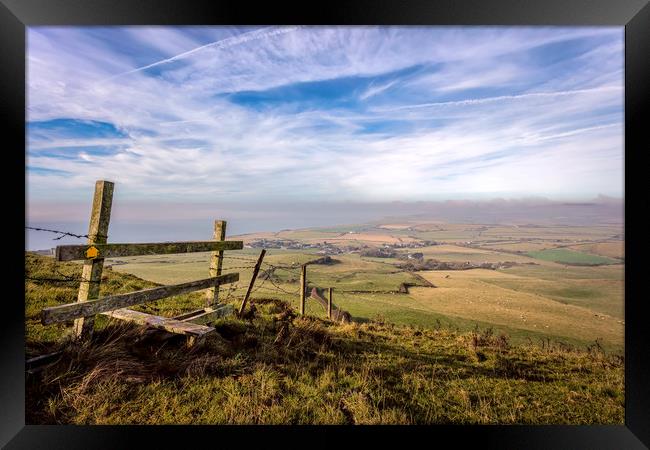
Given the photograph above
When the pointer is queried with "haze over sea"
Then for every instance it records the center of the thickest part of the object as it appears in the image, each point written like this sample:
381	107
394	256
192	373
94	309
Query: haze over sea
194	222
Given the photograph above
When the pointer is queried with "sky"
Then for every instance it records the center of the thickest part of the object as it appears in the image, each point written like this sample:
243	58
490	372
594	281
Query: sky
248	121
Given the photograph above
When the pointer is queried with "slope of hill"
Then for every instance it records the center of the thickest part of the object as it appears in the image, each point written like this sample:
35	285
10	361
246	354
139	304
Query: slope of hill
571	304
277	368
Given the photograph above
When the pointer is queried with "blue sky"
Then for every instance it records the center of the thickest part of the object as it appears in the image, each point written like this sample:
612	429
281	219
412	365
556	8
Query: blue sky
249	115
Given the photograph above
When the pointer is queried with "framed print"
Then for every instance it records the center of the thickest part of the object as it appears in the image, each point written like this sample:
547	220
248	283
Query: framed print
413	217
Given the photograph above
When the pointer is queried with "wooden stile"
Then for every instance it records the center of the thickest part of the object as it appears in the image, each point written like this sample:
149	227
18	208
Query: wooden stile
97	250
92	307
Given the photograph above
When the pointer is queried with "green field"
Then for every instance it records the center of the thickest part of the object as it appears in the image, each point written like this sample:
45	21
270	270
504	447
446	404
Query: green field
561	255
366	287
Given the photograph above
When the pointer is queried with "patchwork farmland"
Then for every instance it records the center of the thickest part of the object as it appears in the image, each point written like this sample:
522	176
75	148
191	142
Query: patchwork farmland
548	291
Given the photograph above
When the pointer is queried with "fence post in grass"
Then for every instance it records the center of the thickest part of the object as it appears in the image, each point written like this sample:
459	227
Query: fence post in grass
258	264
92	268
329	303
303	288
216	262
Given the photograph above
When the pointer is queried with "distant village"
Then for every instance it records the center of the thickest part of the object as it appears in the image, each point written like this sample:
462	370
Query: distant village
329	248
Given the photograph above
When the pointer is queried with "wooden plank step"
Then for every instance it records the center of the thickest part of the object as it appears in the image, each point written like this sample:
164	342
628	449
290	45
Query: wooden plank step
95	251
91	307
162	323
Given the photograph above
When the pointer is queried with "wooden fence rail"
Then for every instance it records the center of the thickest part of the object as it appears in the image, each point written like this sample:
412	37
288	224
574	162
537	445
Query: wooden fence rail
92	307
95	251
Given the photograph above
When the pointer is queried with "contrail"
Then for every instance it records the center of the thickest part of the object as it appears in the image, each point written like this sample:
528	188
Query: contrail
223	43
374	90
578	131
477	101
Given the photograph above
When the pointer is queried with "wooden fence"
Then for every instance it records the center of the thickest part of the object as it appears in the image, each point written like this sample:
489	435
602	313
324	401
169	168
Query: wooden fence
195	324
89	304
333	313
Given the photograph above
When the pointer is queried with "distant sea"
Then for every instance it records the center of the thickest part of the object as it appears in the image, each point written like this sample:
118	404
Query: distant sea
170	231
271	218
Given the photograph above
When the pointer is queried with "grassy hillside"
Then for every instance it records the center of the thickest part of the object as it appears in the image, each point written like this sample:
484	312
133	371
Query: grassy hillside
562	255
574	304
277	368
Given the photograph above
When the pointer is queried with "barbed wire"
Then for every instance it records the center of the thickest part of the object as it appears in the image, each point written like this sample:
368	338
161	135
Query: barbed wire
232	288
65	279
252	258
269	272
271	289
295	266
63	233
58	280
281	267
238	267
259	286
281	289
267	288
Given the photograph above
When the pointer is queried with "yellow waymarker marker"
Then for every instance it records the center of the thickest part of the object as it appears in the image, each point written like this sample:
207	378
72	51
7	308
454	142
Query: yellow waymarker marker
92	252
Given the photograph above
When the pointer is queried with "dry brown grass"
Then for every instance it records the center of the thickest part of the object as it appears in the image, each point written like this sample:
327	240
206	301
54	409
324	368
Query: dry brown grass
465	294
608	249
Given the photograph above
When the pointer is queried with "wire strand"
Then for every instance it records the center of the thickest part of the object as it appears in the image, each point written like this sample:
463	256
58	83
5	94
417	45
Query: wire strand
63	233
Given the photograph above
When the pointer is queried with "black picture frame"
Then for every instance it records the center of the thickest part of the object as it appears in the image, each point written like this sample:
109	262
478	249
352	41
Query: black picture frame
634	15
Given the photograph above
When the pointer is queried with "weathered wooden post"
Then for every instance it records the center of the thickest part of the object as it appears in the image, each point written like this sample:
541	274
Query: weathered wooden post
216	262
92	269
303	288
329	303
258	264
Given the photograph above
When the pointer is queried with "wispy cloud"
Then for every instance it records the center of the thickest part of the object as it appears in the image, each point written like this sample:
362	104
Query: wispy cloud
223	43
530	95
325	113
